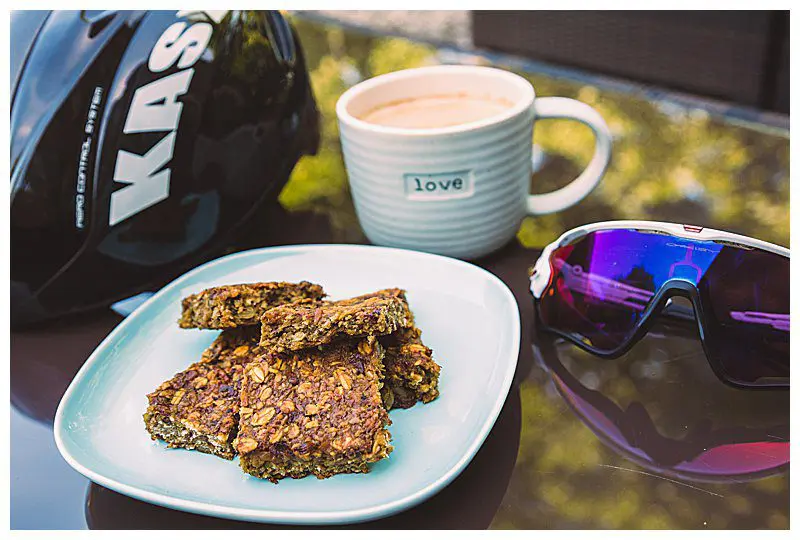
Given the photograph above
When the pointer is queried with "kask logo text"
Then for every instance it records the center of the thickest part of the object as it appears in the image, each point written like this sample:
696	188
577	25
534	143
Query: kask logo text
155	108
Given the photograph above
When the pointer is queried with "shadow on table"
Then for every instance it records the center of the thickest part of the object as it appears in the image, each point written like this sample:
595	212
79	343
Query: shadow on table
44	359
469	502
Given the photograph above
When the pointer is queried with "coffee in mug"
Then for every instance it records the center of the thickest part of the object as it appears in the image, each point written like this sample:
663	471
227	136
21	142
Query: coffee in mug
435	111
439	158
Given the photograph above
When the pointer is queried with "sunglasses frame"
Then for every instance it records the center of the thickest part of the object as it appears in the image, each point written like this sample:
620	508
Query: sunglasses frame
542	272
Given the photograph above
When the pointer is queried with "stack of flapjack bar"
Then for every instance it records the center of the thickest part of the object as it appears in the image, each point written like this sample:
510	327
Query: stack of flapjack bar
295	384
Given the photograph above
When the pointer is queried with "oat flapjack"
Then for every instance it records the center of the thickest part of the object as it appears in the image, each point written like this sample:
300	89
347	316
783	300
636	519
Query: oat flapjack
306	391
198	408
296	327
231	306
316	411
411	374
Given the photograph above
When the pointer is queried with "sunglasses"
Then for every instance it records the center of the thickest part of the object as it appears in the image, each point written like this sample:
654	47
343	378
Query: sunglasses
601	285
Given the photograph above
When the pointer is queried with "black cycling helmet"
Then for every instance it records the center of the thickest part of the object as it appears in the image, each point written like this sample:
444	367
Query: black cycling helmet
139	141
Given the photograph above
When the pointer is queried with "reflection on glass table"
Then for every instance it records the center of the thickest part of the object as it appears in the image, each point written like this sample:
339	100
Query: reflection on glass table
650	440
716	445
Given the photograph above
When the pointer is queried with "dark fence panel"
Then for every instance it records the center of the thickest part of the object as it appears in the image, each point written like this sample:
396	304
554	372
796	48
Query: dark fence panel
738	56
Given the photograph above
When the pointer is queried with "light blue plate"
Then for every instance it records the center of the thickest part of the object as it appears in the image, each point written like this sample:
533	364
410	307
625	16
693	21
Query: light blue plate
468	317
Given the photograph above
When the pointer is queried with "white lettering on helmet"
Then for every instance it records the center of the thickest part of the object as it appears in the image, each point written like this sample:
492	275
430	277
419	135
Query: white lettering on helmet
177	44
155	107
147	179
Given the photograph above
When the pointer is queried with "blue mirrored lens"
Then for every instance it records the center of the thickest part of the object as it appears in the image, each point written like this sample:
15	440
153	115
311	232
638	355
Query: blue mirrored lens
602	284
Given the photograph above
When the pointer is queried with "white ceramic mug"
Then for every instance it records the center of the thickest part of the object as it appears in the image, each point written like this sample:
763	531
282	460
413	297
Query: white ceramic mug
460	190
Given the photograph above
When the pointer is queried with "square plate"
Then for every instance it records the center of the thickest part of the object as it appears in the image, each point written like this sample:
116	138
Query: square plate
467	315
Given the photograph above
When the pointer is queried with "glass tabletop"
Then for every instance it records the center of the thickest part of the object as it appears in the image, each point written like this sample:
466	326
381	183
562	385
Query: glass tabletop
651	440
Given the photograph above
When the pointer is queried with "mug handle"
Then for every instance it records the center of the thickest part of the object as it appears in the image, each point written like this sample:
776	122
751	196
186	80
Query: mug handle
572	193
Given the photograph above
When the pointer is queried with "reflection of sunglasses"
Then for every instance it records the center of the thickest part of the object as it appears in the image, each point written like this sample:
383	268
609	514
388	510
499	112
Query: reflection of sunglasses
704	454
600	286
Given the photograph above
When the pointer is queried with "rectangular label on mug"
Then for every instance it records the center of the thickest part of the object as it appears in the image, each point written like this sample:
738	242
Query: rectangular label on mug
439	186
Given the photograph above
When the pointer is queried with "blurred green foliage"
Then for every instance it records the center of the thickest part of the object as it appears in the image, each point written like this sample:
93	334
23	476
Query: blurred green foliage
669	163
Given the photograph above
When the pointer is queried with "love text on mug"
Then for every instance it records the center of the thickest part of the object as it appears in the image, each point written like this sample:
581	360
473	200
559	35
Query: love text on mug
439	186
